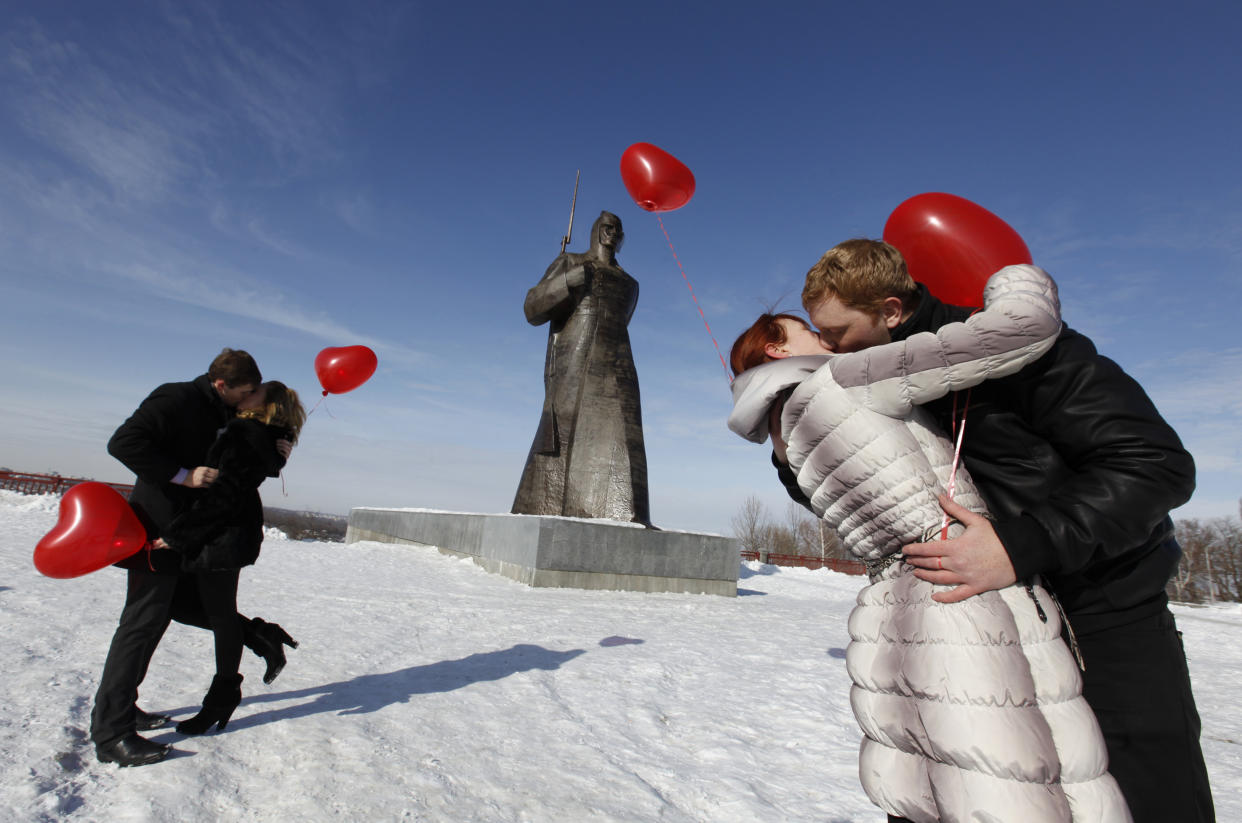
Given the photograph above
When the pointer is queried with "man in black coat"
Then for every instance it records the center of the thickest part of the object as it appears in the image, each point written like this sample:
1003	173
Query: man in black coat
165	444
1080	472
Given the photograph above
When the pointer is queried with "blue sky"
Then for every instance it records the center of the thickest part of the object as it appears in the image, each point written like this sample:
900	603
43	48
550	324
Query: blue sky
282	177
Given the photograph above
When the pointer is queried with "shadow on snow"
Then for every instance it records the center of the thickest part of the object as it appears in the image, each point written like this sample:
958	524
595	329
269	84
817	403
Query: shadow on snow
371	692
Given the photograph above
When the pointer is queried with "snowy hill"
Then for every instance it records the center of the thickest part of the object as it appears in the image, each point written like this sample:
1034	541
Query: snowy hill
427	689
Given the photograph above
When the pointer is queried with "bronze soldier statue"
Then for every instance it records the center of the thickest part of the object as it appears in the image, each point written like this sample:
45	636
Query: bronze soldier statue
588	458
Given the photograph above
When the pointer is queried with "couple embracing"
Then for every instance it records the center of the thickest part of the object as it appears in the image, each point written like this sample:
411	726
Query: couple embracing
1013	657
200	450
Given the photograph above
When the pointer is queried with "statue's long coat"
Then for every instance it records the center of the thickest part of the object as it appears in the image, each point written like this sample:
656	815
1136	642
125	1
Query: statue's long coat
587	459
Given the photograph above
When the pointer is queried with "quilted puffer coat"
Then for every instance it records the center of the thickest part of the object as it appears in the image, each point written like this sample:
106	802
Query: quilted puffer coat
971	710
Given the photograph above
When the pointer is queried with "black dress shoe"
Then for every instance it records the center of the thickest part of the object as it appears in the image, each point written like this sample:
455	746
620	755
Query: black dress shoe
145	721
131	750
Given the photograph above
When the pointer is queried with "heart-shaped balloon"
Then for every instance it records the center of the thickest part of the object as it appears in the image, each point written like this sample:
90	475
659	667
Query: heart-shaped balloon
95	528
953	245
656	180
344	368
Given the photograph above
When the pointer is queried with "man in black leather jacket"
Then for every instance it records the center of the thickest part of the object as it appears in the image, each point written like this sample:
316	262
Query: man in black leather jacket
1079	471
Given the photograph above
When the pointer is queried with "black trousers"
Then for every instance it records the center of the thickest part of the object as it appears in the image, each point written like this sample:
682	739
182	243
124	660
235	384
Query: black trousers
1137	683
217	591
152	599
189	607
144	618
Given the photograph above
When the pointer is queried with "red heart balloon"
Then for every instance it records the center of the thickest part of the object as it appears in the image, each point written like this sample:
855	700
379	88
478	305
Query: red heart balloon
953	245
656	180
344	368
95	528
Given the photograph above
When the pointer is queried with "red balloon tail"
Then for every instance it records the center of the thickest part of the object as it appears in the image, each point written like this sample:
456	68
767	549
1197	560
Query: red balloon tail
706	325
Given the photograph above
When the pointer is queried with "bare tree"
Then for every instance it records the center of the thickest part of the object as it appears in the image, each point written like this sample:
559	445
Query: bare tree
1227	559
783	538
833	547
1188	535
1190	583
1210	568
803	529
750	525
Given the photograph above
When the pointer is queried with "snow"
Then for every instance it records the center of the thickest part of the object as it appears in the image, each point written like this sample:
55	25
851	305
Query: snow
428	689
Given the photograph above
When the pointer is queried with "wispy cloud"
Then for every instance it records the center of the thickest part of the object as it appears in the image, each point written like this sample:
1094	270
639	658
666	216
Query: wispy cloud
66	99
266	79
270	239
356	212
254	228
1200	393
165	267
1188	225
70	383
1197	382
117	140
219	291
197	100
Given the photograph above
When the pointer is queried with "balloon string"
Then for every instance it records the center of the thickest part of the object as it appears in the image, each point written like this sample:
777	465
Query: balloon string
960	431
695	299
325	408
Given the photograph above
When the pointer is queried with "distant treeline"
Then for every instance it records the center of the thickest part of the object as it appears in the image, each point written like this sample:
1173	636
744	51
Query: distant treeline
302	525
298	525
1210	568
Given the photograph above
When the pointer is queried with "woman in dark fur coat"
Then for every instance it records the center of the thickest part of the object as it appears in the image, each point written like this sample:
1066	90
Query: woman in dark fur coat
223	530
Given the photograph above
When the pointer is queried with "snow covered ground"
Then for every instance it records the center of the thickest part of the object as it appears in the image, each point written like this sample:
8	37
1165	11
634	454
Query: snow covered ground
427	689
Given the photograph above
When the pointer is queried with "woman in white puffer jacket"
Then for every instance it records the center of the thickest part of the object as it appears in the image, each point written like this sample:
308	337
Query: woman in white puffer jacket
971	711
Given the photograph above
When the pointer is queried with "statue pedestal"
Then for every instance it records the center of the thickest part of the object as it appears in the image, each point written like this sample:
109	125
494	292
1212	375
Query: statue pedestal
564	552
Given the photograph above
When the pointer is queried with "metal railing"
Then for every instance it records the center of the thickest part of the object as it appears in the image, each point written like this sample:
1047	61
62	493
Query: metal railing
807	561
30	483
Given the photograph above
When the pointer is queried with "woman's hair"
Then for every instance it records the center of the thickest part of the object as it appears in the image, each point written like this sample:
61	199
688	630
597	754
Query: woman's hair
236	368
281	407
748	349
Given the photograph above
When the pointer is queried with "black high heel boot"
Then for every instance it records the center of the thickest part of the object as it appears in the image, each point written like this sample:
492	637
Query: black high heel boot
222	698
267	640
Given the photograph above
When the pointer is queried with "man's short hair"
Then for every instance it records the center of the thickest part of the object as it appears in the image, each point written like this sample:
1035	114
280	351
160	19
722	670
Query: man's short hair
236	368
862	274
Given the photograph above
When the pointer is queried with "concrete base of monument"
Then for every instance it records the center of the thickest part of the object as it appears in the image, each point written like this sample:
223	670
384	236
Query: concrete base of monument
565	552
